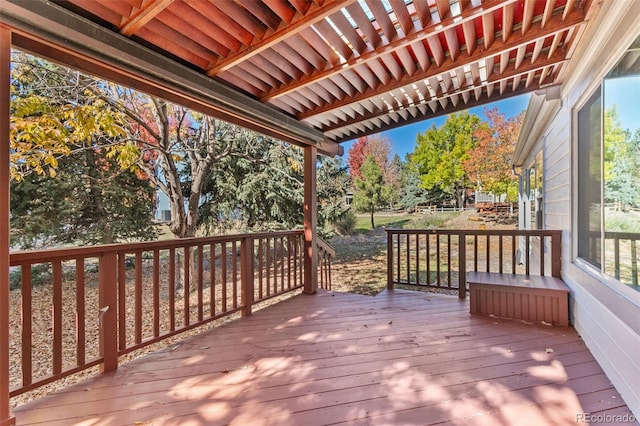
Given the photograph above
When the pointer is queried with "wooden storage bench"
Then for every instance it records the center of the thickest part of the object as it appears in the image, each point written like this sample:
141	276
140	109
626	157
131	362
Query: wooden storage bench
526	297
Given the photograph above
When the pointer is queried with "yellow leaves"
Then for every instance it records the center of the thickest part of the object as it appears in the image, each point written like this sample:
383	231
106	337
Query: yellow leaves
42	132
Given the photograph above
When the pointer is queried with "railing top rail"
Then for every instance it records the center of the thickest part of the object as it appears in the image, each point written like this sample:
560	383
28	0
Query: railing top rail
67	253
326	247
506	232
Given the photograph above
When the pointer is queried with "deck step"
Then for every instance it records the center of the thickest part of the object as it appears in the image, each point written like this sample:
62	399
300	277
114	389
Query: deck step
526	297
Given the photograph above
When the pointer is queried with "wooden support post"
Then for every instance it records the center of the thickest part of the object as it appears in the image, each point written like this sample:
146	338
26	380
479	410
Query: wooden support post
5	81
310	220
108	312
246	274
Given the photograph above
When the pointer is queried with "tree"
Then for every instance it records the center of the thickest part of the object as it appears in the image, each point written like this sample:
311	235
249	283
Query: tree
489	162
394	177
357	155
371	191
440	153
333	183
171	146
86	202
413	195
377	147
621	162
67	187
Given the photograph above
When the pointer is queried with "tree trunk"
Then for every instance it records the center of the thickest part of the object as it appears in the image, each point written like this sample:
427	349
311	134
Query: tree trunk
372	223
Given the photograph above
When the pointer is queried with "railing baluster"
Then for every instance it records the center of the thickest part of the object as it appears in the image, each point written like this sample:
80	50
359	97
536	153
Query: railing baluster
438	259
172	289
528	254
634	263
417	259
616	255
408	280
57	317
500	253
223	272
449	260
268	262
397	246
80	313
200	286
186	278
122	301
462	265
390	258
289	263
428	261
542	260
138	299
475	252
212	279
156	293
513	254
260	266
27	367
282	275
234	273
488	252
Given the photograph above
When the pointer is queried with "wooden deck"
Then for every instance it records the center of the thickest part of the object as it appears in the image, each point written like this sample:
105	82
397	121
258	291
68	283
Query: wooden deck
401	358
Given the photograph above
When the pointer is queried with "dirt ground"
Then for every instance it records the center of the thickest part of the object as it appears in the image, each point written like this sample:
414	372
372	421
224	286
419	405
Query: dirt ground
361	259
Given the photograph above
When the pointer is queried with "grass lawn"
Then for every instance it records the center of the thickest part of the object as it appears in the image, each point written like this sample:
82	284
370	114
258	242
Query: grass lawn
360	264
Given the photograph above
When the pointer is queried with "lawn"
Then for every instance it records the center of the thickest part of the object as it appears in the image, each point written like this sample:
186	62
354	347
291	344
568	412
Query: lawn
360	264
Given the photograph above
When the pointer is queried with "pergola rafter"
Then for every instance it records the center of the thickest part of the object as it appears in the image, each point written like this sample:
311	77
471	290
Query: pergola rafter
340	66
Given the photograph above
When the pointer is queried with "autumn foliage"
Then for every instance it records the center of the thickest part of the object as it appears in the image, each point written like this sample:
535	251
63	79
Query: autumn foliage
489	163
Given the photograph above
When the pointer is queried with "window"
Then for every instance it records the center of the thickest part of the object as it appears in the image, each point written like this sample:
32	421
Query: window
608	163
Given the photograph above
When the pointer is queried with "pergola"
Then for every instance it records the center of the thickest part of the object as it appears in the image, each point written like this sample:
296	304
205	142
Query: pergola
313	73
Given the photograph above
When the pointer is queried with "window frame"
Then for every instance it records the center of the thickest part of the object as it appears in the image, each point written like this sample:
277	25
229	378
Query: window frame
588	91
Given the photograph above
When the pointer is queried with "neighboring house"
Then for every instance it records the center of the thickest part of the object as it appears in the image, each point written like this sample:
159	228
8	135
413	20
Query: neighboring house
580	173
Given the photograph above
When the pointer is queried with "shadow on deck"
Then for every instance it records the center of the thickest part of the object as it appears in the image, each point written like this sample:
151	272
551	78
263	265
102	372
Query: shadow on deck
402	357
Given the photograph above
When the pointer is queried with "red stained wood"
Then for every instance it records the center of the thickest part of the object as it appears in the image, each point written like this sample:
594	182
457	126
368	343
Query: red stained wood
399	358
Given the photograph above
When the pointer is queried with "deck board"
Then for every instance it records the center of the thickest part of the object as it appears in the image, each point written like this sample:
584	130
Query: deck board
334	358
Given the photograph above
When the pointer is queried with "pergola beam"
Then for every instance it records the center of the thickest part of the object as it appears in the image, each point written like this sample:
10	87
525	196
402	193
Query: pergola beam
143	15
317	14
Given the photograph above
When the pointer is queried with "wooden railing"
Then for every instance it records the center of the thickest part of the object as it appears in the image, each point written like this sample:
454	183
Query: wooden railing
119	298
624	248
325	254
441	258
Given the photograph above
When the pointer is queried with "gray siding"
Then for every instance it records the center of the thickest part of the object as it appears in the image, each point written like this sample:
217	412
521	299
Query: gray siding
604	312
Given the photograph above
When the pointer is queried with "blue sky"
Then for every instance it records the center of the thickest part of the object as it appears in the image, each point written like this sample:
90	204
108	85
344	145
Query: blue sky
625	94
403	139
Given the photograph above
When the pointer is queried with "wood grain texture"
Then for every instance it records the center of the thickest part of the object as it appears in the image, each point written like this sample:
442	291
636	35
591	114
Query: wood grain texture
336	358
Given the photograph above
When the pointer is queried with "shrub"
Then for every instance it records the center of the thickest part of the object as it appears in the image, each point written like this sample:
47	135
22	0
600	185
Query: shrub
40	274
345	224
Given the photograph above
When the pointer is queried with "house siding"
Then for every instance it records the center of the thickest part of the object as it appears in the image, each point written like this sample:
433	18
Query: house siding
605	313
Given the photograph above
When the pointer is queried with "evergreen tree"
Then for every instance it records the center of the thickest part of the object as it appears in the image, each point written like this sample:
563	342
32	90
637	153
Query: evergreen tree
371	191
